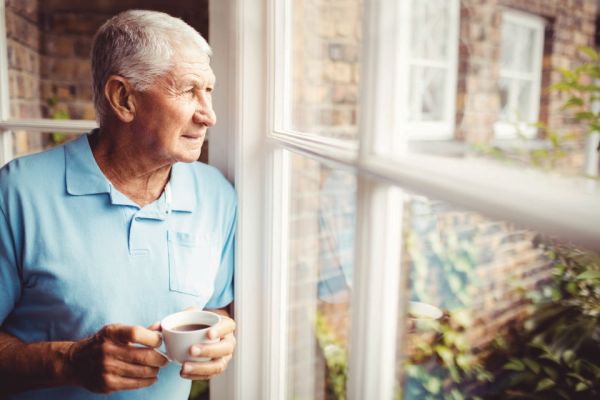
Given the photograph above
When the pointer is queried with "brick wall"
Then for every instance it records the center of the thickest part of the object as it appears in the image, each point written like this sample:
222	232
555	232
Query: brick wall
66	73
462	261
24	45
326	67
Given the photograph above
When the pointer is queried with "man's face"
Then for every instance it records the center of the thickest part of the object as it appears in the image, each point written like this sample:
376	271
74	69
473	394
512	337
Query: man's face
173	115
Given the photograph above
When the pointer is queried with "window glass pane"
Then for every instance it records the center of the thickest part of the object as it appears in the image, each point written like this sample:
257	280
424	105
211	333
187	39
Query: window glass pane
25	142
427	94
48	57
325	67
431	29
522	89
321	259
495	310
518	47
427	67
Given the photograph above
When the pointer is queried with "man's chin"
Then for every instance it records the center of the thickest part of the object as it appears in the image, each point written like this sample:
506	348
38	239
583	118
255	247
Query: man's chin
190	153
188	158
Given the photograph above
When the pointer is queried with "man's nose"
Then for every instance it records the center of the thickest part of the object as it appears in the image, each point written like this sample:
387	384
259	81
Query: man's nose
205	115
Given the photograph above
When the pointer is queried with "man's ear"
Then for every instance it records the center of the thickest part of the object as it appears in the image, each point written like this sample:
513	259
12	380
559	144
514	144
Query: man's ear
119	94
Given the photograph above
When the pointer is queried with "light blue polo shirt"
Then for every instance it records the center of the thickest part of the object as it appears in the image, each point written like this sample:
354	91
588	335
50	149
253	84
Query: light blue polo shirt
76	254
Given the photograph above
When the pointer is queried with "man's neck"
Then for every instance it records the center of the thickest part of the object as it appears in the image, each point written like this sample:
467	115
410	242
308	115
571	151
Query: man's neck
129	170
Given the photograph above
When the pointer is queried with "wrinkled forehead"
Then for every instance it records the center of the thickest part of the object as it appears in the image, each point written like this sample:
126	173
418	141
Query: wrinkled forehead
191	52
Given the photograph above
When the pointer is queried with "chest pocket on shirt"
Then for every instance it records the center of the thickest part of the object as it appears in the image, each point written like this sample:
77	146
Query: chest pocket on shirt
193	263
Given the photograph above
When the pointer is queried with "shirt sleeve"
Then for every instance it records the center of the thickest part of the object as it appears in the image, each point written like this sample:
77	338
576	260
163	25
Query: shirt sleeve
223	293
10	283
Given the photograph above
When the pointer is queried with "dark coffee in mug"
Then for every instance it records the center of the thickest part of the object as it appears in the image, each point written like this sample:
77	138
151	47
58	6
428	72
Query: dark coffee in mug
190	327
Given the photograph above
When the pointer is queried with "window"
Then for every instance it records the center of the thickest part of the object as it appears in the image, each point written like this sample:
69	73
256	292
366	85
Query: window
44	76
522	47
428	68
445	246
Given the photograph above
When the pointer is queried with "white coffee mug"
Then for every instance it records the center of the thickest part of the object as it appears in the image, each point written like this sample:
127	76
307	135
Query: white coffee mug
178	334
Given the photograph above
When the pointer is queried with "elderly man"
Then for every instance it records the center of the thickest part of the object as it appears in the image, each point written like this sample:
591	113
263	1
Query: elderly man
104	236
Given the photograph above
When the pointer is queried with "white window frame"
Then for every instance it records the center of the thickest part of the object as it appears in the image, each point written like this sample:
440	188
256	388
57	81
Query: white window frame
509	129
256	71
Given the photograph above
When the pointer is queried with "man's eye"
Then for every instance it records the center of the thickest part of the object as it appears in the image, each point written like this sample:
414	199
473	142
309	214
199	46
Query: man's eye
209	89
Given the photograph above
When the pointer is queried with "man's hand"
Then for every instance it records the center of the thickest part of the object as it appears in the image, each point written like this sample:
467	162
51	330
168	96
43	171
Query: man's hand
108	361
220	352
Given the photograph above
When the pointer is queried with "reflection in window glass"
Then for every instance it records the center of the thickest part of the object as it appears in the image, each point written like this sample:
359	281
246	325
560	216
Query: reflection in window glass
496	311
428	63
321	258
427	85
520	71
517	88
326	37
429	38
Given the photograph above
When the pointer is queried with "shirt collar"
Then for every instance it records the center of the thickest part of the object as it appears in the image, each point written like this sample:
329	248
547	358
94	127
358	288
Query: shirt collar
83	176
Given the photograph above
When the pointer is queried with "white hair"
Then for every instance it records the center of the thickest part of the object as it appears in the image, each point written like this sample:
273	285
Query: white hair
138	45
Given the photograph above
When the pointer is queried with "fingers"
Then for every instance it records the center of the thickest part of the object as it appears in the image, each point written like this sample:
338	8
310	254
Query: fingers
215	350
110	361
223	328
127	370
141	356
125	334
155	326
204	370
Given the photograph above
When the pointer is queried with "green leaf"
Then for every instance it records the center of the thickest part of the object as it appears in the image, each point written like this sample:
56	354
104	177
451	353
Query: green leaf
433	385
551	372
446	355
589	275
456	395
532	365
583	115
568	356
573	102
515	365
568	74
562	87
544	384
581	386
591	53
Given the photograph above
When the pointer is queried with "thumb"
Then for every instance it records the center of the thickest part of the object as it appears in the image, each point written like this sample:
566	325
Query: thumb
155	326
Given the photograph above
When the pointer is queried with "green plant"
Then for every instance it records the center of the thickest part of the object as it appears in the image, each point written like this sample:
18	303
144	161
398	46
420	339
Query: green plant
581	86
57	113
441	363
556	353
336	358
